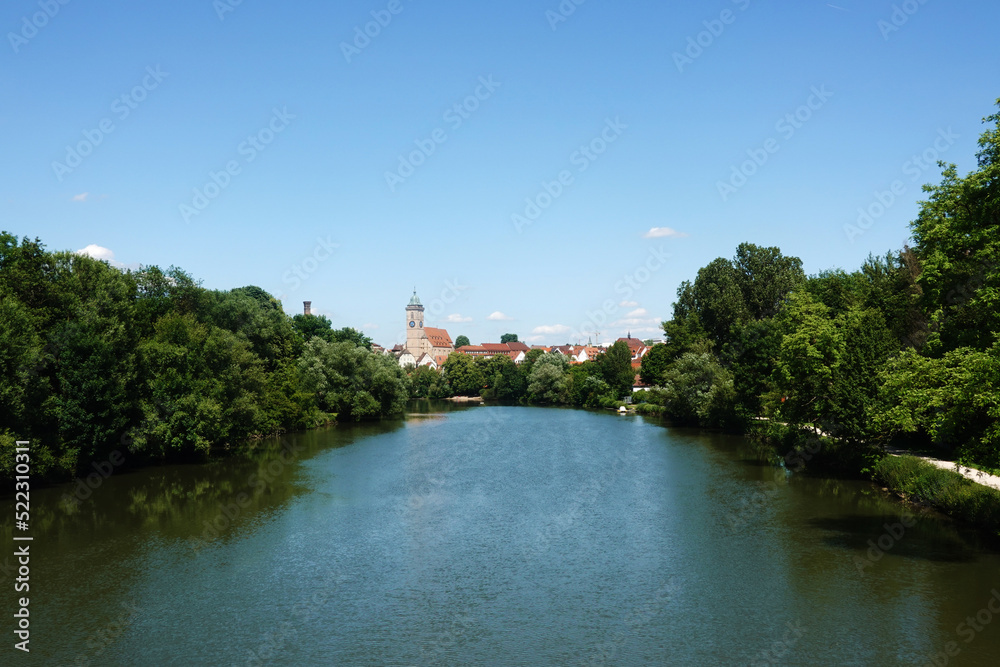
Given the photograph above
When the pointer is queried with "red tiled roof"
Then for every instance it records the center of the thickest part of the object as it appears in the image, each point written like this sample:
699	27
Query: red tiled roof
438	337
633	343
518	346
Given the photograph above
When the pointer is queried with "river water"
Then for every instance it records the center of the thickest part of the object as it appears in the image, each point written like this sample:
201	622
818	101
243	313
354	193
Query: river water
499	536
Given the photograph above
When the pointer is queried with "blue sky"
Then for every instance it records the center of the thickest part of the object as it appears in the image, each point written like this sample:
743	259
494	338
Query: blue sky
247	144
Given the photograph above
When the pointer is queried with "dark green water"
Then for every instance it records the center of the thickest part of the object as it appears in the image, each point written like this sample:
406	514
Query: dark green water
497	536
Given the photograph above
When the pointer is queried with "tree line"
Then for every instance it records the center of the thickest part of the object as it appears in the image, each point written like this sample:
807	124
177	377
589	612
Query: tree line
95	360
543	378
905	348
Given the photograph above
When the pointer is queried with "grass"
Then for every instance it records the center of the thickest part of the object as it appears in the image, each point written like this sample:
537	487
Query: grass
943	489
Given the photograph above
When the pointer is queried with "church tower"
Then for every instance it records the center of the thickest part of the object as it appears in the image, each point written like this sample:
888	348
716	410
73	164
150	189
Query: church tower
415	325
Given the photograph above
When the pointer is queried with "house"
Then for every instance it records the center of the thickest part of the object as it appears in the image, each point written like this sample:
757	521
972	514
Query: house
427	360
635	346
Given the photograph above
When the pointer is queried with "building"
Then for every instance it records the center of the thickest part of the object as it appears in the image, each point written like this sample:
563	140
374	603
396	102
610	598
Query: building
635	346
516	351
421	340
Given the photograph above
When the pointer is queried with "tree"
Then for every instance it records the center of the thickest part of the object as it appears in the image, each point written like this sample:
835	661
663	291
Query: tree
502	378
810	352
654	364
313	326
462	341
954	399
698	390
616	367
421	379
549	381
352	381
728	293
349	335
463	375
508	338
957	234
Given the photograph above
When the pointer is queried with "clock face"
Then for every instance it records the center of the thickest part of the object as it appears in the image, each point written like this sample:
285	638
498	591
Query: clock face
412	324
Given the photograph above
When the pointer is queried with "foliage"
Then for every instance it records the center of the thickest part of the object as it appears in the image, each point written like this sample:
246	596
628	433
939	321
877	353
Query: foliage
616	366
508	338
464	377
698	390
351	381
954	399
462	341
654	365
94	359
549	380
944	489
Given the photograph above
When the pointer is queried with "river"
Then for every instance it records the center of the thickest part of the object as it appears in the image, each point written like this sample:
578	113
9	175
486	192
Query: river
499	536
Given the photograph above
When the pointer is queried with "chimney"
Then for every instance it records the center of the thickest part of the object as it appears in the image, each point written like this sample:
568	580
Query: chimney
307	307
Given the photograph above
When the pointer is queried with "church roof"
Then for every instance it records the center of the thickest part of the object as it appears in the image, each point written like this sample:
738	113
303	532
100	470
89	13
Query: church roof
415	300
438	337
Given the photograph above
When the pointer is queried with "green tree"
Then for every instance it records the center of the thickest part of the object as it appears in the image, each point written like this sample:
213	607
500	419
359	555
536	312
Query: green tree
352	381
462	341
804	369
654	364
698	390
421	379
549	380
616	367
957	234
313	326
463	375
508	338
954	399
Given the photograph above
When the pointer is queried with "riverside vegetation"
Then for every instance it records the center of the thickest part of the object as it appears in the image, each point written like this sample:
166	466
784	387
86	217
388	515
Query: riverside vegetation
824	369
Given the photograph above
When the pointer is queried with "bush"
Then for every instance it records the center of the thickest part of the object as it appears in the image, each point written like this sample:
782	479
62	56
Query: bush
944	489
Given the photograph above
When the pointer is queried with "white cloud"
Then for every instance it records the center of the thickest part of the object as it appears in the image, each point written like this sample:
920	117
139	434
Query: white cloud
455	318
663	232
81	197
638	312
629	304
98	252
499	317
535	339
551	329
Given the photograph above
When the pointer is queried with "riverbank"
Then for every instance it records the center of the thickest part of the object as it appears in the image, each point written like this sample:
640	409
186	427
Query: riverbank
962	493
